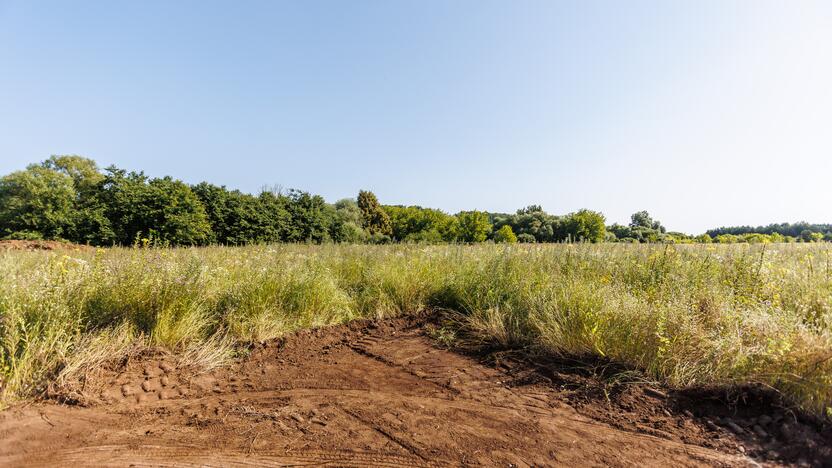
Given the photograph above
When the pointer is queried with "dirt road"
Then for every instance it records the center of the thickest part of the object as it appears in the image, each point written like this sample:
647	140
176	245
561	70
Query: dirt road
360	395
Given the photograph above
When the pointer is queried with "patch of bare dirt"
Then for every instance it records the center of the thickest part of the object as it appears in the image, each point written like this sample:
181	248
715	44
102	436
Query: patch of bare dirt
749	420
39	245
364	394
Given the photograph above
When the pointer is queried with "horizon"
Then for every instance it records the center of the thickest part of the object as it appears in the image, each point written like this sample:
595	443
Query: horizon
705	115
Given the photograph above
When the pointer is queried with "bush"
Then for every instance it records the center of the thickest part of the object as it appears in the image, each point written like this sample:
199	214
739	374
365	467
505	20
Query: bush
24	235
506	235
584	225
474	226
525	238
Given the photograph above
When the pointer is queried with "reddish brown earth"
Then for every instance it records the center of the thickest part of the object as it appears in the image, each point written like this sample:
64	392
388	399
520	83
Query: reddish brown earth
39	245
383	394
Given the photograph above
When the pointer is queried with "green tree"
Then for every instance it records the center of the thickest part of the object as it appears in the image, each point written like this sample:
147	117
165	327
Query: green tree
311	217
704	239
277	220
164	209
474	226
524	238
644	220
643	228
531	220
755	238
36	203
236	218
726	239
417	224
620	232
374	219
585	225
83	171
346	226
505	234
530	209
89	224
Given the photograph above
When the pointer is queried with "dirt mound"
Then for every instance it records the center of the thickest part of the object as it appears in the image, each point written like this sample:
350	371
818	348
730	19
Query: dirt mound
365	394
39	245
749	420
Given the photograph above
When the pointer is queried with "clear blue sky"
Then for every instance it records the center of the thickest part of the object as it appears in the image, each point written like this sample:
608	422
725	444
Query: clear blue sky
705	113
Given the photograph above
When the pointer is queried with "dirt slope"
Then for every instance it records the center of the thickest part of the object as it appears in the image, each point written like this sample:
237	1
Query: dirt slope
359	395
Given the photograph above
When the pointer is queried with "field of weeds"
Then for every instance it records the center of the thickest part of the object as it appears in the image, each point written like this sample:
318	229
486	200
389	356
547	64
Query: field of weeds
684	315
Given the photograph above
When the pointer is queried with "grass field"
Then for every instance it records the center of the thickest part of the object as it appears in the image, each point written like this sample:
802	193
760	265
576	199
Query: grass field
684	315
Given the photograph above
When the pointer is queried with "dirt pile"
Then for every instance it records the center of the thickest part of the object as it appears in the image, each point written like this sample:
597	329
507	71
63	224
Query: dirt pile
32	245
374	394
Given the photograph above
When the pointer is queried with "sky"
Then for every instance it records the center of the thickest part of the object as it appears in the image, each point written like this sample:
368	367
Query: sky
705	113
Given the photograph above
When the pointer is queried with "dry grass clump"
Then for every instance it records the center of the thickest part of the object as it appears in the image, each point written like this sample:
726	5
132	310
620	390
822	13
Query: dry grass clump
686	315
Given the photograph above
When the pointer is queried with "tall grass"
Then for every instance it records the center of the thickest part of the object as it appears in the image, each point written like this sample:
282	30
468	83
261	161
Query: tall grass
686	315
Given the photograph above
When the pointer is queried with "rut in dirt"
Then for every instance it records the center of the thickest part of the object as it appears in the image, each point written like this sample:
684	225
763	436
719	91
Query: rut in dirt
363	394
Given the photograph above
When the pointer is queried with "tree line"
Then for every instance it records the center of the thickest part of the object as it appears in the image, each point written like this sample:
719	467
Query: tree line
783	232
70	198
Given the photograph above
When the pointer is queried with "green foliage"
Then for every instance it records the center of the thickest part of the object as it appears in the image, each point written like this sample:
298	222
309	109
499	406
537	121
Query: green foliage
642	219
755	238
311	217
584	225
373	217
24	235
237	218
704	239
89	224
530	209
506	235
726	239
785	229
532	221
620	232
277	220
83	171
525	238
474	226
810	236
678	238
417	224
38	201
643	228
67	197
347	223
165	209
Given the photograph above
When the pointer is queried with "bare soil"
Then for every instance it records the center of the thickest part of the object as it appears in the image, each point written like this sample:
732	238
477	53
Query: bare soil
39	245
384	394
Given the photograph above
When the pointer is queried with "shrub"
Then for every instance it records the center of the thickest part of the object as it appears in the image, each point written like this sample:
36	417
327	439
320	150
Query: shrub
474	226
525	238
505	234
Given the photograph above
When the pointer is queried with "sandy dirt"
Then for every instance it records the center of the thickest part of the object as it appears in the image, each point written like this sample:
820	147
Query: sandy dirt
376	394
